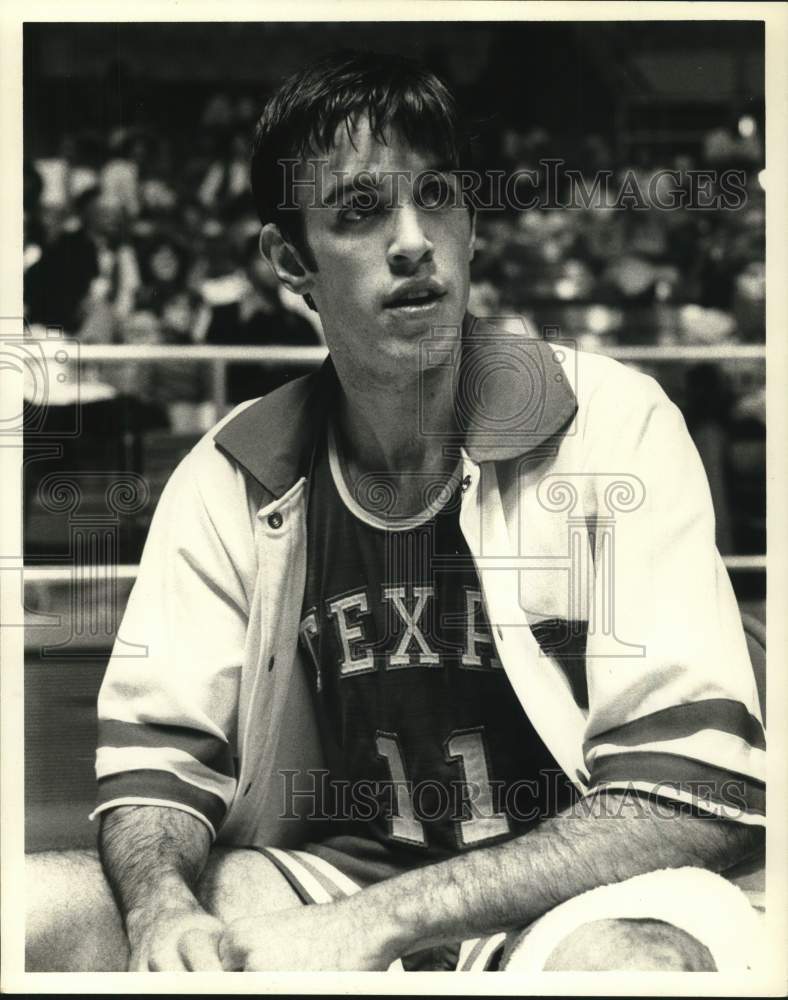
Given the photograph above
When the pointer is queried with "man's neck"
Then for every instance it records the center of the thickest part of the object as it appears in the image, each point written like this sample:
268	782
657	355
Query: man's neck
401	427
399	432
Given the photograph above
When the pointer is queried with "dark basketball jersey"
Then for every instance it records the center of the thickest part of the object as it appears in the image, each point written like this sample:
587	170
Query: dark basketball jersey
427	744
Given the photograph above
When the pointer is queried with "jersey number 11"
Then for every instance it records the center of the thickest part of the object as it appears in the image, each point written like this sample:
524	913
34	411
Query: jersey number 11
468	749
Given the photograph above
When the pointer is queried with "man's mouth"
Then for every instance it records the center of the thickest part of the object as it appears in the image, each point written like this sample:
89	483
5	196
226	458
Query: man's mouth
415	298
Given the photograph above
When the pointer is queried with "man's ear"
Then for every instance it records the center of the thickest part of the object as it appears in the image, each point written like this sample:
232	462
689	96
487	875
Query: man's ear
472	238
285	259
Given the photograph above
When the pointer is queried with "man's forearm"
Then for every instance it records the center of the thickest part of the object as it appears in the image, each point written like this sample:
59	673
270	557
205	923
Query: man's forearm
512	884
152	857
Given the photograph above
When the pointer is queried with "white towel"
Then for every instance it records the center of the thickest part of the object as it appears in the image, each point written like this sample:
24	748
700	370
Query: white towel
705	905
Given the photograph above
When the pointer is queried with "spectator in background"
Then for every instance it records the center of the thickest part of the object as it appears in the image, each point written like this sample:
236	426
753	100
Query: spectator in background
120	176
255	315
57	285
163	269
86	278
84	154
227	178
263	318
112	292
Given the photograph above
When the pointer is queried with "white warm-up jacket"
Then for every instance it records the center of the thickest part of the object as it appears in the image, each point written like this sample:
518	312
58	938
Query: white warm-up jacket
584	502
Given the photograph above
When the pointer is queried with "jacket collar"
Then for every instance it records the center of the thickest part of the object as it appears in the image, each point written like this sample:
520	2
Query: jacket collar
512	397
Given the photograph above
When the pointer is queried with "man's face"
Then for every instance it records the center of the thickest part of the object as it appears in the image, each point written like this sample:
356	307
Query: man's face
387	272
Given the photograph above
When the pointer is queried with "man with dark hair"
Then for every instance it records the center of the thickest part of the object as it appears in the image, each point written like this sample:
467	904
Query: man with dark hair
298	128
357	655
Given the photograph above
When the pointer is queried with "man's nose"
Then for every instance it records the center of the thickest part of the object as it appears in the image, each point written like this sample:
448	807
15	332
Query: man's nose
410	244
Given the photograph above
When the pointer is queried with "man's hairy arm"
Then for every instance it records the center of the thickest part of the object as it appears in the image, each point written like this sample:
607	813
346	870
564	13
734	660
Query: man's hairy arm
153	857
512	884
491	889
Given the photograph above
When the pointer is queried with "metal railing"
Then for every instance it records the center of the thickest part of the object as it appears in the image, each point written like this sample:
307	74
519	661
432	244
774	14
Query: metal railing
293	355
128	571
218	357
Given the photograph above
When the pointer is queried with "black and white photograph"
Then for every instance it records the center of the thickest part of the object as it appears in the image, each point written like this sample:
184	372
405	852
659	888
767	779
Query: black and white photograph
385	480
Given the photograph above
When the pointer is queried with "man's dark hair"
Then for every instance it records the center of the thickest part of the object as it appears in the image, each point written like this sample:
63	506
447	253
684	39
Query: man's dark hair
301	120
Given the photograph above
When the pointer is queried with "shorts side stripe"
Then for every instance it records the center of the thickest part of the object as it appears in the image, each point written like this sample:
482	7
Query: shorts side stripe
290	878
315	880
468	951
481	953
311	887
320	867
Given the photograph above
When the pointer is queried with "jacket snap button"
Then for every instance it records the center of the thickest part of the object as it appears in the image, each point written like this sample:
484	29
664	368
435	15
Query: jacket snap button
466	483
275	520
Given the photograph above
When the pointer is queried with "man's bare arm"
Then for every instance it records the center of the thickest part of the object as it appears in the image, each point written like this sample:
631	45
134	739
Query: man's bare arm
493	888
153	857
512	884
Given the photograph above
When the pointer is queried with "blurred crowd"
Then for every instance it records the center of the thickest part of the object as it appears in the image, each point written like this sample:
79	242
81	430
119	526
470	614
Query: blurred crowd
137	237
134	237
131	239
691	273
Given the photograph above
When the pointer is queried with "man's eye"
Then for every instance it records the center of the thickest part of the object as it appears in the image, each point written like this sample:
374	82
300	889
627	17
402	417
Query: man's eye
359	210
434	193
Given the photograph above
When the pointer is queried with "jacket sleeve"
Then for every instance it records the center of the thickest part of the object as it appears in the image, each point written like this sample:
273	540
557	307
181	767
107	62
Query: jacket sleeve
673	703
168	705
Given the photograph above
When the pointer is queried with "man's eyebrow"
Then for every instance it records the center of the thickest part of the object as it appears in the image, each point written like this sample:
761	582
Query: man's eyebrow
343	183
374	178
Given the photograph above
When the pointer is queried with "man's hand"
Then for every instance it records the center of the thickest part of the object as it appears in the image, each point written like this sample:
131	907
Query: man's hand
174	939
152	857
311	938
